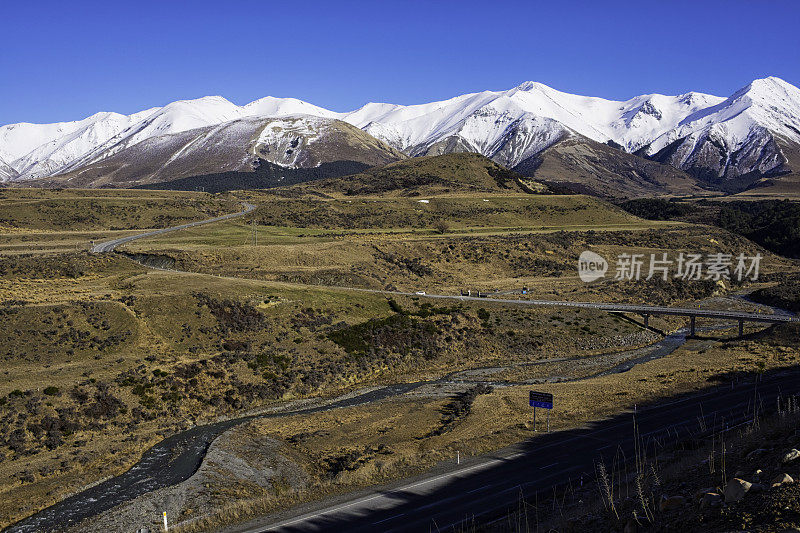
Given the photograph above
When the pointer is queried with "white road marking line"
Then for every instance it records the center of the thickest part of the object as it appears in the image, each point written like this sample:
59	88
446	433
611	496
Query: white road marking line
401	489
387	519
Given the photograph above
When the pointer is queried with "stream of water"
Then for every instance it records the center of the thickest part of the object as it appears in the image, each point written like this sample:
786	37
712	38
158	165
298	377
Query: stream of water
177	457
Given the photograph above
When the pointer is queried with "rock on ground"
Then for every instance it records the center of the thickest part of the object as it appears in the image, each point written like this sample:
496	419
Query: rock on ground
710	499
672	503
736	489
791	455
781	479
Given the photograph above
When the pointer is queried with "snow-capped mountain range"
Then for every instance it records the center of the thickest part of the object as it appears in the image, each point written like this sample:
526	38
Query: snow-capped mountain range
711	137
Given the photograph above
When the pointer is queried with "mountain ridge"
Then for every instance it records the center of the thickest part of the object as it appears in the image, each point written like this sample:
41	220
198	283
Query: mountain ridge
294	141
739	140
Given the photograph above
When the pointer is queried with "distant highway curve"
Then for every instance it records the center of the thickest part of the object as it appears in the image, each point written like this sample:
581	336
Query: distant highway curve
108	246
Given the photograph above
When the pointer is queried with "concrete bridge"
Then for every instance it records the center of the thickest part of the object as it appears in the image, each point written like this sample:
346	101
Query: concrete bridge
643	310
741	317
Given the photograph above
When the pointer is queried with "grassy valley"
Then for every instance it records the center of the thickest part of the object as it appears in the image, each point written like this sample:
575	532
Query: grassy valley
104	357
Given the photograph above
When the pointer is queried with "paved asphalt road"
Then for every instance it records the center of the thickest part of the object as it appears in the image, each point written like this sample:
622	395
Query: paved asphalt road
109	246
485	488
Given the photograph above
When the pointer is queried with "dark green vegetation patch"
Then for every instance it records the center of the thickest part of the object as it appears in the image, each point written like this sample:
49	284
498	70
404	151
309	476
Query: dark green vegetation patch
774	224
786	294
265	176
398	333
656	208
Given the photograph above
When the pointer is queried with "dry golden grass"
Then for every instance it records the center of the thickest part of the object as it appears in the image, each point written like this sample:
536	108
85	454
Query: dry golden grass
46	210
544	260
152	325
400	429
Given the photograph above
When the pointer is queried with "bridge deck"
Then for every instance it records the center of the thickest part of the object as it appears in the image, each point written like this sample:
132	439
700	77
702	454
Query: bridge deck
637	309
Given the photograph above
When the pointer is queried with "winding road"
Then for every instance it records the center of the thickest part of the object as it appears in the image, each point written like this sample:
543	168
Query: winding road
108	246
449	494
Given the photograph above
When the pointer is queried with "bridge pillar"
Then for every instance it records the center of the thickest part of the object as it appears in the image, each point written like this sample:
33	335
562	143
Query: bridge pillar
646	320
691	325
741	327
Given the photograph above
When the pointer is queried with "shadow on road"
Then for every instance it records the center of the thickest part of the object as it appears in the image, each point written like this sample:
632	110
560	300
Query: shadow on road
484	488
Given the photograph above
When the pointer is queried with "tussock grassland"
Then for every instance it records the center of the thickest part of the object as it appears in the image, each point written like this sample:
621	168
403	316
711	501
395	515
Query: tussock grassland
47	210
355	447
100	364
103	357
502	242
461	212
46	221
459	173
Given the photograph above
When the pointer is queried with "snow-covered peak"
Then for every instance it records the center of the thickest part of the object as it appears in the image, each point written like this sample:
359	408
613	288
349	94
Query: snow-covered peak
632	124
405	127
584	114
514	122
774	104
530	86
766	88
768	104
270	106
175	117
52	156
185	115
371	112
16	140
644	118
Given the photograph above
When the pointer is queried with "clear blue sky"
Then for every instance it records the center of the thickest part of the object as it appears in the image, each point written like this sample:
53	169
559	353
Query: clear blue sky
67	60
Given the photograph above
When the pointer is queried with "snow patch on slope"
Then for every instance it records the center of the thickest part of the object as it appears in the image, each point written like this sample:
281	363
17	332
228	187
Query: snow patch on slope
283	141
6	172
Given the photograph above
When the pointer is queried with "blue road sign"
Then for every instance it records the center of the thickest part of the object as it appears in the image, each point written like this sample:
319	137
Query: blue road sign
541	399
